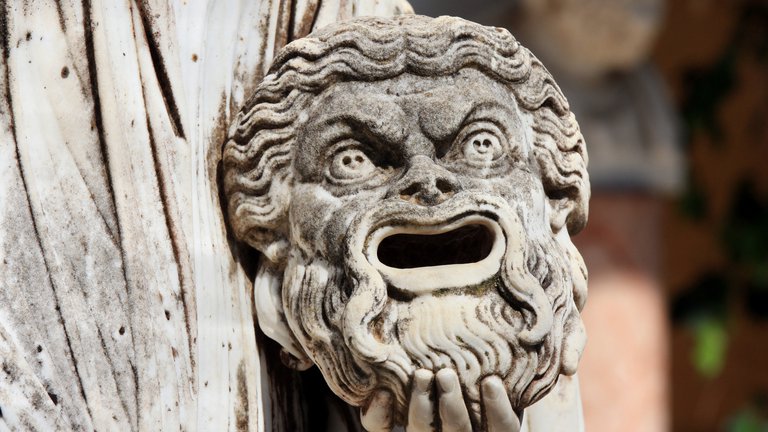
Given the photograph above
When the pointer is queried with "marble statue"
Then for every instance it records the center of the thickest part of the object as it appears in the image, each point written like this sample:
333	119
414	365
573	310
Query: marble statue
412	184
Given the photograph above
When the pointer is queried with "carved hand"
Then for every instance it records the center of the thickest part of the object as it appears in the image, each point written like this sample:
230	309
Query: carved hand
452	411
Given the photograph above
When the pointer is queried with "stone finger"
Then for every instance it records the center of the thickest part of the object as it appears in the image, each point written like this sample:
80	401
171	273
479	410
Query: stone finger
377	416
421	411
499	414
453	411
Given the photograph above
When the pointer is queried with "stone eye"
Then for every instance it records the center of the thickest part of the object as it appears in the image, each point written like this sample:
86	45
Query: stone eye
351	164
482	147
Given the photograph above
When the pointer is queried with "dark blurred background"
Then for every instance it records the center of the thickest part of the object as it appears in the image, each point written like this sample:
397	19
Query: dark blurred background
672	98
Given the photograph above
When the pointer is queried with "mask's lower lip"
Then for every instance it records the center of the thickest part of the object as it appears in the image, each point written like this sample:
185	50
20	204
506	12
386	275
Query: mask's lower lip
422	259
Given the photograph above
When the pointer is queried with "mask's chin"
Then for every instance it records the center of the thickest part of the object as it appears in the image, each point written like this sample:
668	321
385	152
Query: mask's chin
416	259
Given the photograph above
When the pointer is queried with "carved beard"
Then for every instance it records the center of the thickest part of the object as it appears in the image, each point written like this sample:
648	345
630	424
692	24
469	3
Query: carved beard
362	340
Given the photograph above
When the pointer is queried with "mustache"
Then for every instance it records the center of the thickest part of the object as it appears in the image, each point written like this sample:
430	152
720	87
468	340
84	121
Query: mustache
396	212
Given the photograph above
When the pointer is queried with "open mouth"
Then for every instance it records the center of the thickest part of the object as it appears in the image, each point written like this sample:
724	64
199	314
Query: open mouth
422	259
463	245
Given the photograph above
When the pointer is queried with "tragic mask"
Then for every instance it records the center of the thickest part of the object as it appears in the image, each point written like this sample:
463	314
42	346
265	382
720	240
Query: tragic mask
413	184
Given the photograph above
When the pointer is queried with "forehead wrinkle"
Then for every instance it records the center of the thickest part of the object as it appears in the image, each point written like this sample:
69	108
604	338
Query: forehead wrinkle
408	114
445	120
441	121
363	111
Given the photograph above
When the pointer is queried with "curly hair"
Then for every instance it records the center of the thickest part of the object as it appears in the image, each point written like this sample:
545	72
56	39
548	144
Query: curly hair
262	141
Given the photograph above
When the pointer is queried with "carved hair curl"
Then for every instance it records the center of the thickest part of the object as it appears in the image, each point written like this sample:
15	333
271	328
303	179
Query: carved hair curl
257	157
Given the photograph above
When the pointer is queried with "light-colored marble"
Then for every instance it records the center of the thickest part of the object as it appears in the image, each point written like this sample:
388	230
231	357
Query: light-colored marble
123	304
413	184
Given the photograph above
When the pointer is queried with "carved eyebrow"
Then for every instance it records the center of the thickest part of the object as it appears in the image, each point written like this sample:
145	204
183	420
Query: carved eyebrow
378	116
443	145
379	132
487	105
384	145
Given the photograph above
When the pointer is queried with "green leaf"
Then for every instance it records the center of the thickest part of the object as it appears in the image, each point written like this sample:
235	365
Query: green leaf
710	347
747	420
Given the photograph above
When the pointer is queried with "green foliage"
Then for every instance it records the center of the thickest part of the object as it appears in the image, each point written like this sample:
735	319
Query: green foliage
743	279
751	418
707	88
711	346
703	309
747	421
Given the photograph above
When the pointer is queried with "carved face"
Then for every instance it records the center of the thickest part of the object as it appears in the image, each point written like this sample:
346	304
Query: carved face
409	147
413	221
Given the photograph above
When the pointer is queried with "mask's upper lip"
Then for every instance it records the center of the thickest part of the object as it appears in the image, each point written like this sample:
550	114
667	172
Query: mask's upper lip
424	280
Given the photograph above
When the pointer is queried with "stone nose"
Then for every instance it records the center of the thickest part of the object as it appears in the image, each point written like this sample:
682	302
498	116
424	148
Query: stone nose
426	183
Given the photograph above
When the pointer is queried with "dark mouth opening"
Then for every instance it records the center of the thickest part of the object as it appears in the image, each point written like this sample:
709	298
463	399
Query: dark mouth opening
463	245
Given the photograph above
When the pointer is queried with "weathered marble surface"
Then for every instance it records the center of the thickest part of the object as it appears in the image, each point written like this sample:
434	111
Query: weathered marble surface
123	301
413	184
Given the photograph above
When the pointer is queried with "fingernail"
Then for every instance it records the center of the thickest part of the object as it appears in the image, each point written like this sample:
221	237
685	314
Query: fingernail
446	380
422	378
492	388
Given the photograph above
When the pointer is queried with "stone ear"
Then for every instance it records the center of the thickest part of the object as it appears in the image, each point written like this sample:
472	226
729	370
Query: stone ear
260	221
267	300
559	211
257	181
569	212
574	333
574	340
